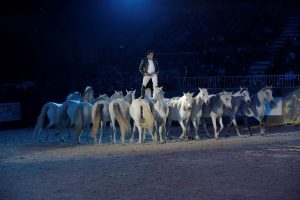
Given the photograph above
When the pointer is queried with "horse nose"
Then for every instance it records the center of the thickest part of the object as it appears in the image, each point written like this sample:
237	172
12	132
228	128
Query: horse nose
248	102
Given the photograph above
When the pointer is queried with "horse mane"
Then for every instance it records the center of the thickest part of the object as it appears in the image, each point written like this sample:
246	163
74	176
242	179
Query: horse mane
72	94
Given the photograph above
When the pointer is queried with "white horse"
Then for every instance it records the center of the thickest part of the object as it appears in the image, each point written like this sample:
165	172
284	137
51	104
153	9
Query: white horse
101	97
142	116
100	117
74	96
116	95
161	112
257	107
100	114
119	110
200	99
88	94
238	98
180	110
215	110
82	119
50	113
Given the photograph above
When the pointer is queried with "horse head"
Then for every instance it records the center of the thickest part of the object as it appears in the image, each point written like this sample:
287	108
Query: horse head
267	94
130	95
245	93
158	93
226	98
204	95
118	94
74	96
88	94
188	100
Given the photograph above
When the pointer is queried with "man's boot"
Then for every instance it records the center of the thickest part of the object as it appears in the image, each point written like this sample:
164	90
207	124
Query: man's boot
143	92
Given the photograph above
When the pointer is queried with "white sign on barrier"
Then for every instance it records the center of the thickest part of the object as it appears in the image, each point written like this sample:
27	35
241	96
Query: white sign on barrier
276	109
10	111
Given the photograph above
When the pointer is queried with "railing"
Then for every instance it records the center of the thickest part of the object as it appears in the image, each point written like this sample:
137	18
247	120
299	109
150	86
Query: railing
257	81
192	83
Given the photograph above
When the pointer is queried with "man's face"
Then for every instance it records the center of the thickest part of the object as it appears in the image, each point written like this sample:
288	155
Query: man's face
150	56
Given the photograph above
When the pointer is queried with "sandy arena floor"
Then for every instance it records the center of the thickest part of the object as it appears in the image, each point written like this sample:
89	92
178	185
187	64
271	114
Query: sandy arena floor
228	168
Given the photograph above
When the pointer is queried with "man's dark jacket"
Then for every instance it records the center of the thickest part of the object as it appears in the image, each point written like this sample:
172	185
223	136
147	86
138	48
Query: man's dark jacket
144	66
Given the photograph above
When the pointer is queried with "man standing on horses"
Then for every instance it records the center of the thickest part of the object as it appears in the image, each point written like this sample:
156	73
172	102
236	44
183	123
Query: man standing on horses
149	68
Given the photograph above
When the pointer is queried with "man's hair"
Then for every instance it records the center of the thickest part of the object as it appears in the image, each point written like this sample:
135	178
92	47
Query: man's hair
149	51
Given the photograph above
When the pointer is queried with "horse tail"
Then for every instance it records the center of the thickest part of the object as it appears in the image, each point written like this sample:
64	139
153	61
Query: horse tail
96	119
78	119
147	115
62	117
124	125
41	121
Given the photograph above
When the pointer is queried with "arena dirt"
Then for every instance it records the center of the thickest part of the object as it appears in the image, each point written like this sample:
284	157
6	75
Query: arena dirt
229	168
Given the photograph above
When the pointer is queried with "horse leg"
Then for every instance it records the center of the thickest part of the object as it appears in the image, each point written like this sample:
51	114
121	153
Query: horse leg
155	132
246	124
214	118
161	130
229	126
165	132
114	131
101	130
47	134
168	128
236	127
144	131
132	133
47	130
205	128
183	134
196	125
69	133
261	125
140	134
221	124
78	136
110	132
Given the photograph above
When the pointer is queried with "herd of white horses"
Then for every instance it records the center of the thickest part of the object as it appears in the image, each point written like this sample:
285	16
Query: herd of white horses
152	115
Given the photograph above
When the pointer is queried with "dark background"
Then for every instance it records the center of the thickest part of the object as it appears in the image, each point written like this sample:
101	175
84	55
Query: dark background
55	44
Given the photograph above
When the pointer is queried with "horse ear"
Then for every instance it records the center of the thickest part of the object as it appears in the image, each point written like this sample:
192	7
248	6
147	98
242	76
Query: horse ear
271	87
241	88
161	87
200	89
183	93
192	93
126	91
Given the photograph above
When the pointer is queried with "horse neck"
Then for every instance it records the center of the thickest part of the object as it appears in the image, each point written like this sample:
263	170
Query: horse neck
128	98
160	101
198	102
237	94
237	101
257	100
219	104
114	96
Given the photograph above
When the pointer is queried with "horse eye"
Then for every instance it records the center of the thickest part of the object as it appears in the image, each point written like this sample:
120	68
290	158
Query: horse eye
267	93
227	99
